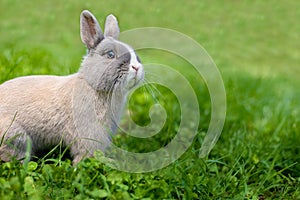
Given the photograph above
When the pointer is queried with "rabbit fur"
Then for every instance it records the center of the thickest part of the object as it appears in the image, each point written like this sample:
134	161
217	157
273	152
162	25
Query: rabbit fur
49	110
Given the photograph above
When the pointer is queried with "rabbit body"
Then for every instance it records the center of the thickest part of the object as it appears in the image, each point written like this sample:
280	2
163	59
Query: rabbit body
47	110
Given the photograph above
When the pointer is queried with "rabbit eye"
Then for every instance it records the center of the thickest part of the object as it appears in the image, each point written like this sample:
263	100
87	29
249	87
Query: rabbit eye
110	54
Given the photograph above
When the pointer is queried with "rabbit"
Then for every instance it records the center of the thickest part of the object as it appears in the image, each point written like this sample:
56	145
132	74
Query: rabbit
45	111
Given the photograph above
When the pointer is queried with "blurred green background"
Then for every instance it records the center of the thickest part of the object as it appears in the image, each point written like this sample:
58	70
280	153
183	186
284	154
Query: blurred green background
260	38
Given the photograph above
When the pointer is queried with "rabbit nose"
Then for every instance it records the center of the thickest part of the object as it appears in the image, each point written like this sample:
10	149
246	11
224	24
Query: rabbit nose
136	68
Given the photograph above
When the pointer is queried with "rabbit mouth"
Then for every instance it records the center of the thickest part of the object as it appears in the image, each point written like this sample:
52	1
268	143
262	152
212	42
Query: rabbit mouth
135	75
133	82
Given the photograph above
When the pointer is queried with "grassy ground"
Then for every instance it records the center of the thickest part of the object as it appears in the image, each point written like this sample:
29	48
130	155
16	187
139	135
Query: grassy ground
254	44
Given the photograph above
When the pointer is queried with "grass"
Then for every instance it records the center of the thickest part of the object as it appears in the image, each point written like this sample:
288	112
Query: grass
254	44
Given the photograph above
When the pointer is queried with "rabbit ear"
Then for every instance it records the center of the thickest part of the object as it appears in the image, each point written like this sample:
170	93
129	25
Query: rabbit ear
111	27
90	31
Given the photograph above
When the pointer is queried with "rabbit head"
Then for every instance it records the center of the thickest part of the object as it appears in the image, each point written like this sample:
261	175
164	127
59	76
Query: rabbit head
109	64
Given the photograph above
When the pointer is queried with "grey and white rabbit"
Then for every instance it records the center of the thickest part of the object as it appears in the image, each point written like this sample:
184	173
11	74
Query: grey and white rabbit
47	110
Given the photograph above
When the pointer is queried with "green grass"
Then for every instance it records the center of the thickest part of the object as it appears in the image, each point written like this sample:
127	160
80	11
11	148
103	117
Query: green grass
255	46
